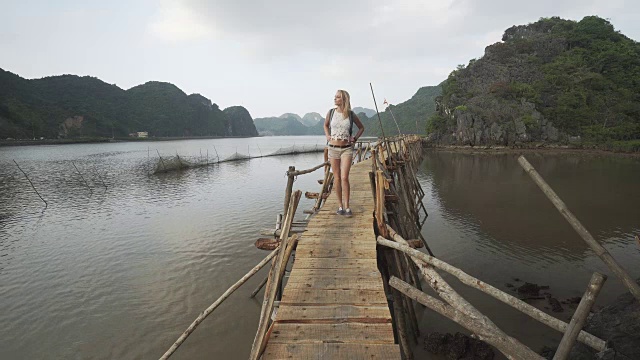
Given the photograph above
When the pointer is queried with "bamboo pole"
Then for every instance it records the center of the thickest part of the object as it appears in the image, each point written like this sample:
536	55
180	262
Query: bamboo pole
559	325
289	188
217	156
302	172
213	306
34	188
510	347
580	316
398	309
82	177
260	286
100	177
273	283
606	257
379	210
161	161
323	188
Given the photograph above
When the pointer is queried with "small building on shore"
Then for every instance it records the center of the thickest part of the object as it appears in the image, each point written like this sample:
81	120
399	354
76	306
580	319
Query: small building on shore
139	134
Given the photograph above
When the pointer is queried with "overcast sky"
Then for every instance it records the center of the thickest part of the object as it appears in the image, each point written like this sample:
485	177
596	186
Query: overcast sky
273	56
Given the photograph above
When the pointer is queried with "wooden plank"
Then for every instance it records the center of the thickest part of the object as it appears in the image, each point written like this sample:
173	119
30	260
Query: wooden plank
336	253
334	305
335	313
331	351
335	333
355	272
333	283
326	297
334	263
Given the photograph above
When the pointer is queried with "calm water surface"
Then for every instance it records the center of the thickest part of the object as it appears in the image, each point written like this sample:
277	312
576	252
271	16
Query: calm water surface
120	273
487	217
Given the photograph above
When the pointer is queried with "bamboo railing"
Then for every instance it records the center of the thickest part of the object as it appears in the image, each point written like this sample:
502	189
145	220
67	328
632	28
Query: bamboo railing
399	215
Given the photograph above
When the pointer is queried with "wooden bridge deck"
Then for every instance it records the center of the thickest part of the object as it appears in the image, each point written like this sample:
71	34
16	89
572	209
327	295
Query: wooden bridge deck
334	305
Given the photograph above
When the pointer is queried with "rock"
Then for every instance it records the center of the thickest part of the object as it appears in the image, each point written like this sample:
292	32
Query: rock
529	289
555	305
547	352
458	346
435	342
481	350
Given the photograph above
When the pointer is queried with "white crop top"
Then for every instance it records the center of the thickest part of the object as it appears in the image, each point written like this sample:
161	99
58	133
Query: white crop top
340	126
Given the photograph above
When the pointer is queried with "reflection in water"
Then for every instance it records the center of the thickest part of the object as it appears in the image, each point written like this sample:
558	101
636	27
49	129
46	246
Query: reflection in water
487	217
490	219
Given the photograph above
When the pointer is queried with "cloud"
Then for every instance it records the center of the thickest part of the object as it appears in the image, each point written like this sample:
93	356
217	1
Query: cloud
175	22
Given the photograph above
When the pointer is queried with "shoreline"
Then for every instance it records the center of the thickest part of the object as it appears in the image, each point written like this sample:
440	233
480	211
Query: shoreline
550	149
24	142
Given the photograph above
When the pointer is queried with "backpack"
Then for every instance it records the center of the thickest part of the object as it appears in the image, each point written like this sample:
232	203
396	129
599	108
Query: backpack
350	120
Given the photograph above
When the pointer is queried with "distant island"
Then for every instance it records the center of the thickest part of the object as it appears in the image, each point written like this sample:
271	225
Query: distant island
69	106
410	115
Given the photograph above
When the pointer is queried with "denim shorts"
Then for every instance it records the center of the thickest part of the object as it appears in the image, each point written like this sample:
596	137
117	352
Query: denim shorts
340	153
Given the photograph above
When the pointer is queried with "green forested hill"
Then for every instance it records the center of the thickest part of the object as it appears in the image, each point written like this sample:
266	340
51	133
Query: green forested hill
554	80
287	124
71	106
411	115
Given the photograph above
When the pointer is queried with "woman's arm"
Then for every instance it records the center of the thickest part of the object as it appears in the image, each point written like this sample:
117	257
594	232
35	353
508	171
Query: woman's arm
358	123
327	134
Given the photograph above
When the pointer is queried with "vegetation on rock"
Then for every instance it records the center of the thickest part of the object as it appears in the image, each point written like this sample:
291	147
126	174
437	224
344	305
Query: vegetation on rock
554	80
70	106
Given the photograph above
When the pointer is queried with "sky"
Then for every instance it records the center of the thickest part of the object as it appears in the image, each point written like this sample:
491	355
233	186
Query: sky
275	56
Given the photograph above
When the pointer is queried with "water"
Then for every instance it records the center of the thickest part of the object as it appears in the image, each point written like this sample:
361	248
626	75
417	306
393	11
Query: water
488	218
122	272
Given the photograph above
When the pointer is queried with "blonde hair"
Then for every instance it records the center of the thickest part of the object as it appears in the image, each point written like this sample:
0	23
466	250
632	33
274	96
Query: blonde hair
346	102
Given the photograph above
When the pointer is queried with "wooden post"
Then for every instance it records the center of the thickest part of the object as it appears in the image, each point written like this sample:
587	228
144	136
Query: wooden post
379	210
100	177
34	188
213	306
510	347
289	189
82	177
273	282
580	316
584	337
161	161
398	311
260	286
606	257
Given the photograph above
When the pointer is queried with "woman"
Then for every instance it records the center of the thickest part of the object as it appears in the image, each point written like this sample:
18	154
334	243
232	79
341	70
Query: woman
338	125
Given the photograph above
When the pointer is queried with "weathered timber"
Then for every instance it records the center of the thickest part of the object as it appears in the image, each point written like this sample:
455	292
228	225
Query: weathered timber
580	316
510	347
584	337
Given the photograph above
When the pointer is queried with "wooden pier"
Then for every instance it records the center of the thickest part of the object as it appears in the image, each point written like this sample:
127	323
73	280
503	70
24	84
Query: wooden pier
334	304
355	281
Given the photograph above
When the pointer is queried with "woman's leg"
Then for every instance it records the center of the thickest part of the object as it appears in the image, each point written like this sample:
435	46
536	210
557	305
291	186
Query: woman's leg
337	183
345	167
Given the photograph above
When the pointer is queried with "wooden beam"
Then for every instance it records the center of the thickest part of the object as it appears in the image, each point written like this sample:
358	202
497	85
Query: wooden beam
506	345
580	316
584	337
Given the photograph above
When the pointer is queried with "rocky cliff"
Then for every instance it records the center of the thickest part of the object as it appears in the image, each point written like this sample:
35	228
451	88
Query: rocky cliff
239	122
553	81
